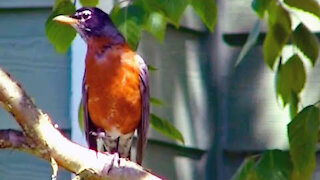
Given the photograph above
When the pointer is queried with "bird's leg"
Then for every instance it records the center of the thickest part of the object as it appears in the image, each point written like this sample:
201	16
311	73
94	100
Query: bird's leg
115	158
118	141
125	143
99	137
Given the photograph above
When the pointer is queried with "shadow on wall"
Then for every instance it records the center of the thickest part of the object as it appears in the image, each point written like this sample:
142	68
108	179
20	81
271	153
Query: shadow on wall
179	83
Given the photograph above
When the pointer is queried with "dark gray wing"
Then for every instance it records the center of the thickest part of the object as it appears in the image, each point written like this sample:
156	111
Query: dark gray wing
144	123
89	127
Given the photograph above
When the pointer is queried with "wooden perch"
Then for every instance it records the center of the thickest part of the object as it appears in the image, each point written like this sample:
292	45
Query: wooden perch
40	138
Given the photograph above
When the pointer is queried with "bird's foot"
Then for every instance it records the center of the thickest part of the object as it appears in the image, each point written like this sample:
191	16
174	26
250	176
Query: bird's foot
115	159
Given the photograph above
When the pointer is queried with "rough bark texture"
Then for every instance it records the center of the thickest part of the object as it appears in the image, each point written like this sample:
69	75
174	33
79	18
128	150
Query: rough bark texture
40	138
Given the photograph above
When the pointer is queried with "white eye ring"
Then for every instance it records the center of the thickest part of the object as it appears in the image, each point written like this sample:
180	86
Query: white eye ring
85	15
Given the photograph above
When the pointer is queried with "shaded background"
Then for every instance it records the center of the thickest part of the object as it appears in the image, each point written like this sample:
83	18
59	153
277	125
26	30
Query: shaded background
228	112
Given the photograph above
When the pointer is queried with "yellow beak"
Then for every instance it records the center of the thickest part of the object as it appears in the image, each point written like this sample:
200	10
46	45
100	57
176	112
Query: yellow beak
65	20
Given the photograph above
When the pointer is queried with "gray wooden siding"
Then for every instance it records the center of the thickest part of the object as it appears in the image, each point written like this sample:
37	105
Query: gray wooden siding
26	4
179	83
27	55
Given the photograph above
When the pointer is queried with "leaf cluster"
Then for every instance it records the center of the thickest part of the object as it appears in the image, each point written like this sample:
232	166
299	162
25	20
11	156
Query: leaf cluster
290	78
297	163
151	16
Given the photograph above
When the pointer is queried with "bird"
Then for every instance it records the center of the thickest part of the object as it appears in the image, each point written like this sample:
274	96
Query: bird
115	88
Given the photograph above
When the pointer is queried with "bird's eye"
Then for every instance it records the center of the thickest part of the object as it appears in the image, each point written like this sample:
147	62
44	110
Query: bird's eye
86	15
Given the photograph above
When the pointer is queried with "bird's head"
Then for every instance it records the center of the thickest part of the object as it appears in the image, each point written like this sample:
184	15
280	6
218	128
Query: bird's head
91	22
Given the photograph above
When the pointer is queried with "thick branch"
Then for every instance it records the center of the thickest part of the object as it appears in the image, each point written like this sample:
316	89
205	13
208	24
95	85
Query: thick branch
46	141
13	139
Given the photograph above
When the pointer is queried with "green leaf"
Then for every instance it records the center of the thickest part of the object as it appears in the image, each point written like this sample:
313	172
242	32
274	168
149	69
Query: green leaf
290	77
307	42
260	6
303	136
89	3
129	21
251	41
245	171
279	30
171	9
310	6
151	68
156	25
181	150
59	35
156	102
293	104
165	127
273	165
207	11
80	117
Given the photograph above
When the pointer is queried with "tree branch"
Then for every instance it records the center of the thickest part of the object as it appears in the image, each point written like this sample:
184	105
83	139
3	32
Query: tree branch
42	139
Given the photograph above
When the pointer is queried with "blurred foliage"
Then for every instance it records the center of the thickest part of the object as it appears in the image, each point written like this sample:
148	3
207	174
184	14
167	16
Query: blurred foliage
303	139
306	42
251	41
180	150
151	68
290	79
60	36
156	102
164	127
245	171
149	15
296	164
279	30
89	3
272	165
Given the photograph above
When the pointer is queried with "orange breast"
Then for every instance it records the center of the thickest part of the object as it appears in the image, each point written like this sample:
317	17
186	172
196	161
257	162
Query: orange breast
114	101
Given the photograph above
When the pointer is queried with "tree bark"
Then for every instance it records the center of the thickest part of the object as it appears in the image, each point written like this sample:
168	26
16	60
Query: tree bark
40	138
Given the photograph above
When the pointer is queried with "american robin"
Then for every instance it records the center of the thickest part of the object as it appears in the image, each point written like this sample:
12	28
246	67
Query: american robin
115	90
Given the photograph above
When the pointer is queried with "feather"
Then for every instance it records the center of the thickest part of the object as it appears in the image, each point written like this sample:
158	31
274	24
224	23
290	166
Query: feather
89	127
144	123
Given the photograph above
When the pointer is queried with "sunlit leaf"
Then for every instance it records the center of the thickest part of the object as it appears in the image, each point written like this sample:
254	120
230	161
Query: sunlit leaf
151	68
279	30
156	25
303	137
251	41
260	6
59	35
245	171
80	117
310	6
156	102
129	20
293	104
290	77
165	127
89	3
273	165
307	42
207	11
171	9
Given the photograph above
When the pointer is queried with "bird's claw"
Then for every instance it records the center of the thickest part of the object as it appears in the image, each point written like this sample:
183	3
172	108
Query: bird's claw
115	159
